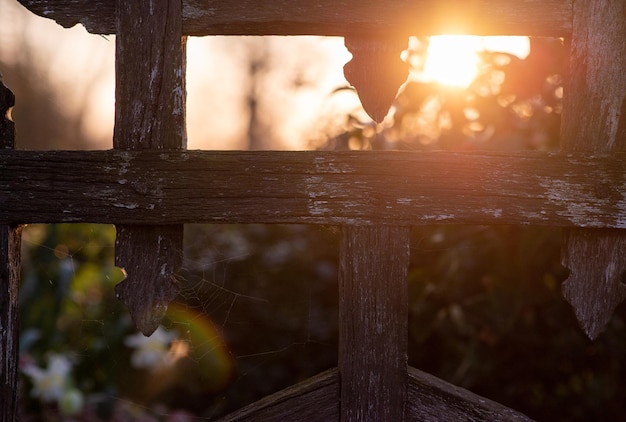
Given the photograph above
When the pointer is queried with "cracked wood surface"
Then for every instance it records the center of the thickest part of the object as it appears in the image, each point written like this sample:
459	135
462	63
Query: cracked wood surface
404	188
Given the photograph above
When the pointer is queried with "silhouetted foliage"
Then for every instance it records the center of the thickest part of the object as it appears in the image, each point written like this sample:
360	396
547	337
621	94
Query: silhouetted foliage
512	104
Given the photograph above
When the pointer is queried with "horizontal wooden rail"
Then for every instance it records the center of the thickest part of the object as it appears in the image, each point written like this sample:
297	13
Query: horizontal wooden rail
382	187
330	17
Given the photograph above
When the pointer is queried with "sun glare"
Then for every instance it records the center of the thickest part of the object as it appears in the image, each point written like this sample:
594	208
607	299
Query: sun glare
453	59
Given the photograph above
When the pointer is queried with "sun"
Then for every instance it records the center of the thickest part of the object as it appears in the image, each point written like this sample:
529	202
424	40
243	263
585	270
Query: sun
453	60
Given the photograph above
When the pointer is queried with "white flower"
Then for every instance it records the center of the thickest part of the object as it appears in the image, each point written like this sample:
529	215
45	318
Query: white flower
72	402
50	384
150	351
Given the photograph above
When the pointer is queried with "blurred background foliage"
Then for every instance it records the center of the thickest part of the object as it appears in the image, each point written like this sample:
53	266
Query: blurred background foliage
258	309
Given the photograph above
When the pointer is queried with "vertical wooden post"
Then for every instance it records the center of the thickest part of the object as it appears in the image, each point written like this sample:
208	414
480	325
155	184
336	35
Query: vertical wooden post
373	312
149	114
10	242
594	121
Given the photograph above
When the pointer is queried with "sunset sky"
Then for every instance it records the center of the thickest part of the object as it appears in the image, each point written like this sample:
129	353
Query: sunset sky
218	82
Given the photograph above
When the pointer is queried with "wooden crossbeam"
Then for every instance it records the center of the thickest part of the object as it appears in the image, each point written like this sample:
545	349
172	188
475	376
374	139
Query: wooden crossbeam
404	188
330	17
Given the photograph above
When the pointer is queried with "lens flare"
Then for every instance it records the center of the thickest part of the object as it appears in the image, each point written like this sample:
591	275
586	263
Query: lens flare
206	345
453	60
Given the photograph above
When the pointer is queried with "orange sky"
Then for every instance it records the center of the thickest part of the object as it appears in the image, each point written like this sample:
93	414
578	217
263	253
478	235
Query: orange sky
82	65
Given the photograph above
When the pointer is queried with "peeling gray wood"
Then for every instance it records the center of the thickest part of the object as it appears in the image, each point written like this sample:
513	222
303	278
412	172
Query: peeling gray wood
594	122
364	187
328	17
376	71
373	313
149	114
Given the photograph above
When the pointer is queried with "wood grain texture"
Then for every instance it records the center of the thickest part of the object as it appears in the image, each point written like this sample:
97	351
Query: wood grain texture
150	93
597	263
373	313
313	400
10	240
595	87
594	121
150	257
149	114
405	188
328	17
431	399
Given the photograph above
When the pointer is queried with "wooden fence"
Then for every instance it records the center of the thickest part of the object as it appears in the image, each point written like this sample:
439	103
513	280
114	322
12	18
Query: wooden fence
149	185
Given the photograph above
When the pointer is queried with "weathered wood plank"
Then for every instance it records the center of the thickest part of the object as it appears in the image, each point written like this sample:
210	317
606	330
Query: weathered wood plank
373	313
150	257
147	187
431	399
149	114
329	17
10	240
180	187
315	399
594	121
596	259
150	91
